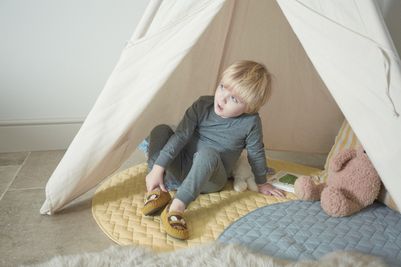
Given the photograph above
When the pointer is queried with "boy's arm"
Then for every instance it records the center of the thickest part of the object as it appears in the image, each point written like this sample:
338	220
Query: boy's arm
256	152
154	179
180	138
257	160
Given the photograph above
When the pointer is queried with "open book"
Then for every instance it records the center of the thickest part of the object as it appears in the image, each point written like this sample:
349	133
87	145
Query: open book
284	180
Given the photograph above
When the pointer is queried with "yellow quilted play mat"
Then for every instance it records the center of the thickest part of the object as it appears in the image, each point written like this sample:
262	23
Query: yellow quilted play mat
117	203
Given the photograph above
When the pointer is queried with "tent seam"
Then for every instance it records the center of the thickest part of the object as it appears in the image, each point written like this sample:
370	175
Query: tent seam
227	37
164	28
384	51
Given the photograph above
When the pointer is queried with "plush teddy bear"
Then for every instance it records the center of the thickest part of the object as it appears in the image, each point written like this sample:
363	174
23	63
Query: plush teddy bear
352	184
243	176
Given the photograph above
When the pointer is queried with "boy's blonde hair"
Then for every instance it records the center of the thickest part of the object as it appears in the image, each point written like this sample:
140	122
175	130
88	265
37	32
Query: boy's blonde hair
251	81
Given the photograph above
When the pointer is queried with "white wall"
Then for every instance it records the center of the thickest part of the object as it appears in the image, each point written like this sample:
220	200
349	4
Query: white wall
55	59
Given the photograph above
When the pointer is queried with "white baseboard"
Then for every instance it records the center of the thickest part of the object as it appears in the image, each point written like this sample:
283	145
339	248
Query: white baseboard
17	136
54	135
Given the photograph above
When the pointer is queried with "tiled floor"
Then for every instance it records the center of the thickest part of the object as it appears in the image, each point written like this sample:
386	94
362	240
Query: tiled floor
28	237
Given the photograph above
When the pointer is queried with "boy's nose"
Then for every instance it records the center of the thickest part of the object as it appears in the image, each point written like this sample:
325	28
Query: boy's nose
225	97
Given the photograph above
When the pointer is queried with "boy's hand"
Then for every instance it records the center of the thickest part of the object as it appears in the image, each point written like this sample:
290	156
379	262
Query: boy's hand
154	179
269	189
270	171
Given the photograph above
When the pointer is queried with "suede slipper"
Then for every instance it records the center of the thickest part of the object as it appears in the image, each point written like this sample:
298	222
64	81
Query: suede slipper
154	201
174	223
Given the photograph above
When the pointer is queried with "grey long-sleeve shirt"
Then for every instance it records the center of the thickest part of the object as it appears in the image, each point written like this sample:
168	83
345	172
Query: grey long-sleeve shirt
201	126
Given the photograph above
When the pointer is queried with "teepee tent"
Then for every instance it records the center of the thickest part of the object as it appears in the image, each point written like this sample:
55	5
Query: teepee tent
330	59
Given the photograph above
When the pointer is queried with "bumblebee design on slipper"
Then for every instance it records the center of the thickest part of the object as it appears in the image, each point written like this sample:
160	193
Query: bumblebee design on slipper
177	222
174	223
154	201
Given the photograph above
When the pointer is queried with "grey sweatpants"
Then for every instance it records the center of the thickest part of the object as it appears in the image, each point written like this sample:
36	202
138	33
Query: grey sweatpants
199	172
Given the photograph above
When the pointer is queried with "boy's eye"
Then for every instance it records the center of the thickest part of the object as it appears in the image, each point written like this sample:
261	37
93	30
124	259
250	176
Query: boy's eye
234	100
221	86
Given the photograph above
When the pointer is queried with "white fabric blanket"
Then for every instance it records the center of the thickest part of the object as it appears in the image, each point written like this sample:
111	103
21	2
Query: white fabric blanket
214	254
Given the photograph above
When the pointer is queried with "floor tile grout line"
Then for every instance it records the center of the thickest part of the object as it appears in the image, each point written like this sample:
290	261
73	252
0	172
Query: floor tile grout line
26	188
15	176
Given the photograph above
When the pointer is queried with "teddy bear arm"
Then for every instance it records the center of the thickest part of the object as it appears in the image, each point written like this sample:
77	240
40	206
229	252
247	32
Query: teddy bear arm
240	185
252	184
306	189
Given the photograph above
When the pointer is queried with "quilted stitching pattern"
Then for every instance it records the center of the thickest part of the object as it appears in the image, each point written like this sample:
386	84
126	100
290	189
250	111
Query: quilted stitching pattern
117	203
301	230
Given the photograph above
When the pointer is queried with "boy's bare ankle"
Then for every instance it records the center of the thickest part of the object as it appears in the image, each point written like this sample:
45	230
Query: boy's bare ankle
177	205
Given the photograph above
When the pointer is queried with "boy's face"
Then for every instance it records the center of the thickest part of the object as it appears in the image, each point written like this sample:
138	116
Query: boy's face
227	104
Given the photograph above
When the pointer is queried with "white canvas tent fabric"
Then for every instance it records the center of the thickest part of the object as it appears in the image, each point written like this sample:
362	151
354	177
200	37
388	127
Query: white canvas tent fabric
180	47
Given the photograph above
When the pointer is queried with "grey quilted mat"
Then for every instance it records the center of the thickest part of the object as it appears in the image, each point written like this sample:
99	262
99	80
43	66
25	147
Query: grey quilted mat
302	230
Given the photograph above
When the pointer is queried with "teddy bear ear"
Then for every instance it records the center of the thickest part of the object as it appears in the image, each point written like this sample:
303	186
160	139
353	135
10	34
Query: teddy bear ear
361	151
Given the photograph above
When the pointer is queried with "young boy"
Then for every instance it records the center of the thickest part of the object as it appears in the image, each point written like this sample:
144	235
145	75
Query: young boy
200	155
